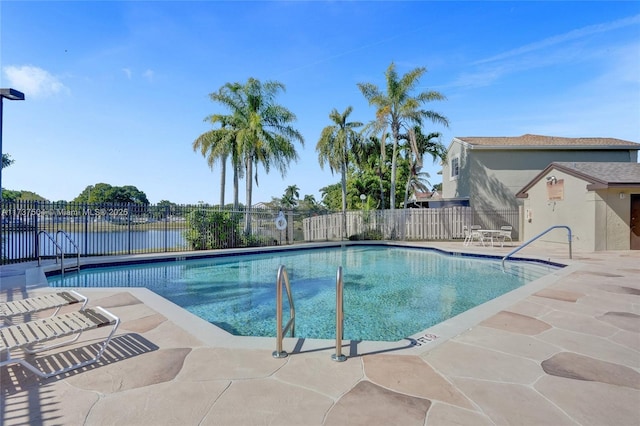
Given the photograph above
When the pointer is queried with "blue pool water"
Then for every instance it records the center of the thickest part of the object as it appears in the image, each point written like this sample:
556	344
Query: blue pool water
389	292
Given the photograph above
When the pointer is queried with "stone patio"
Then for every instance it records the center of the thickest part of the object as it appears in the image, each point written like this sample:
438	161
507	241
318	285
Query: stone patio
565	350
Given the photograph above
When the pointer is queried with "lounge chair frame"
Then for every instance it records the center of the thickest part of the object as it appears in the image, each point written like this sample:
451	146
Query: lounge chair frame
27	335
41	303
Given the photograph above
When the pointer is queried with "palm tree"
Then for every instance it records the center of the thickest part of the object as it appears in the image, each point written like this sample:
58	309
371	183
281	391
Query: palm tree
217	145
333	148
419	145
6	161
261	129
291	196
398	109
373	159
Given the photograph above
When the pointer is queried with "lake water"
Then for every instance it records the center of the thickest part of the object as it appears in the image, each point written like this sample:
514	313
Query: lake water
19	245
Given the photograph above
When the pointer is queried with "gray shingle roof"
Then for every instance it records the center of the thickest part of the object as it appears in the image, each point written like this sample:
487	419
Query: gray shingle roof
547	141
605	172
599	174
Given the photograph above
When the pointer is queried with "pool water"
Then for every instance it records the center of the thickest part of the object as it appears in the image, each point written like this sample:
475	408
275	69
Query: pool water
389	292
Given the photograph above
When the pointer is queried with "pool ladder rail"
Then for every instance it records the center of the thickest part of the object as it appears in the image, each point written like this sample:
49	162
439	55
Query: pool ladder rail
338	357
59	250
283	279
526	243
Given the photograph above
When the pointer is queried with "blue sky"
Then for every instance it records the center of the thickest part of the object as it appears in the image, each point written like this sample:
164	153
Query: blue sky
117	91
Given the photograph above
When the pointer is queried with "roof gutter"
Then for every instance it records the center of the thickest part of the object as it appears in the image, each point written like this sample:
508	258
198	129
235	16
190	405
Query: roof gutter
552	147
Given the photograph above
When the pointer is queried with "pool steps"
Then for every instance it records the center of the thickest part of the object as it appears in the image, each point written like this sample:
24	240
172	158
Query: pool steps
59	249
282	280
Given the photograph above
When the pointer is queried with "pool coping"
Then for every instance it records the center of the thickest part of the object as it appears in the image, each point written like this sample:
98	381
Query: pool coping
211	335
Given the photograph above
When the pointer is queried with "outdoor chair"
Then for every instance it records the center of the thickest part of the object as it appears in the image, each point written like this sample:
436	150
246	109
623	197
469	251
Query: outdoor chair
473	234
28	335
32	305
505	234
467	235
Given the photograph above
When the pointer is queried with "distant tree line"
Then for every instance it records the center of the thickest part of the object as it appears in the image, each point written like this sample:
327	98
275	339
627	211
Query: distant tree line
105	193
92	194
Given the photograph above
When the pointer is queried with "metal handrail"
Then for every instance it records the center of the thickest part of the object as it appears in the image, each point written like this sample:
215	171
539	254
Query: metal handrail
69	239
517	249
55	243
339	317
283	277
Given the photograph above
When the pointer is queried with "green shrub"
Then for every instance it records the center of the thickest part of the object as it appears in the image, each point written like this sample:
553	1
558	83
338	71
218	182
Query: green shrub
208	230
371	234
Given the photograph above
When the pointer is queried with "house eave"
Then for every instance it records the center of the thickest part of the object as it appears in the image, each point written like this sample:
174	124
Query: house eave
550	147
598	185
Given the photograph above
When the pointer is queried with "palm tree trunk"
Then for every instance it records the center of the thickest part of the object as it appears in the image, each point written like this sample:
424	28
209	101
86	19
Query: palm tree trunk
223	177
236	189
409	179
249	187
344	200
381	190
392	196
406	192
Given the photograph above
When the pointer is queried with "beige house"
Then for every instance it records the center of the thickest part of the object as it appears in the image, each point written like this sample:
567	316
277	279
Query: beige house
489	171
599	201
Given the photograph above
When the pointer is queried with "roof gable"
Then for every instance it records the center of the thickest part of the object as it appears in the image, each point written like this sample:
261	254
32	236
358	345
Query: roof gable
606	172
599	175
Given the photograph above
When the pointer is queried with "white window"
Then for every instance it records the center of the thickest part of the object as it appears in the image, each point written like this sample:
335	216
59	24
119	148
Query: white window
455	167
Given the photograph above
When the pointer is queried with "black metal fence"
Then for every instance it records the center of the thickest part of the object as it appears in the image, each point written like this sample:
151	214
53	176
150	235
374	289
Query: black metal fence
32	229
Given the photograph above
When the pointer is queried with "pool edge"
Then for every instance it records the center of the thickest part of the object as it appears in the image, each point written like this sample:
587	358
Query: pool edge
213	336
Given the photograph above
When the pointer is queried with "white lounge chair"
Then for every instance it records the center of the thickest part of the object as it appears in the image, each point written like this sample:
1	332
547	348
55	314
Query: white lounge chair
27	335
41	303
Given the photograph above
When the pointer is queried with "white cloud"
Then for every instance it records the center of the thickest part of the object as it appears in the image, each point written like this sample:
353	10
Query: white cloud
33	81
565	48
562	38
148	74
127	72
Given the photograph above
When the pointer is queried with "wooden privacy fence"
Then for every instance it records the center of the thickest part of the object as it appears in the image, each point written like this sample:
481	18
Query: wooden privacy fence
409	224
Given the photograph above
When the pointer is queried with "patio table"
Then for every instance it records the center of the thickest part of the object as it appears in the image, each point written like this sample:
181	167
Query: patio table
489	233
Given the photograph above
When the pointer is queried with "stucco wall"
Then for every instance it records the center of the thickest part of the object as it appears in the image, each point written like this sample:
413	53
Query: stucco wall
491	178
618	217
577	210
449	185
599	220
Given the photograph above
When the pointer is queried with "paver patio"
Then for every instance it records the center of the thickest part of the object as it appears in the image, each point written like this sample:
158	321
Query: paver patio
565	351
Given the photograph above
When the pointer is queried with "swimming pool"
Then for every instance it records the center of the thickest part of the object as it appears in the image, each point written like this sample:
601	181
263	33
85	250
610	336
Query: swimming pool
390	292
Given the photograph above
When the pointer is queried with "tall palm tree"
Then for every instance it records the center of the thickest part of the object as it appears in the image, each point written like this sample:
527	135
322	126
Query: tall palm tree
216	145
333	148
399	110
262	129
